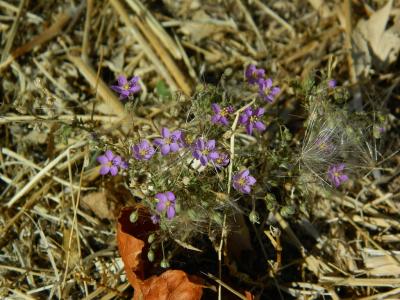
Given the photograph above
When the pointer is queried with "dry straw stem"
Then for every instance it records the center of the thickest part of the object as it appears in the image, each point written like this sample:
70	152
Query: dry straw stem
28	163
145	46
32	200
221	283
42	173
48	34
275	16
63	118
351	281
165	57
156	28
13	31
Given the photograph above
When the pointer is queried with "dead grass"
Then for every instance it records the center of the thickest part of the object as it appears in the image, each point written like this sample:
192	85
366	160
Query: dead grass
57	62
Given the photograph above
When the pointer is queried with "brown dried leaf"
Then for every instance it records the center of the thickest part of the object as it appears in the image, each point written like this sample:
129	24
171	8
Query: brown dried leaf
202	26
372	40
99	204
249	295
172	284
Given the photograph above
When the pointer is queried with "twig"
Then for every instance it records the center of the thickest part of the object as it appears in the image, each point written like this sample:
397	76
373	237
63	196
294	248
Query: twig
41	174
275	16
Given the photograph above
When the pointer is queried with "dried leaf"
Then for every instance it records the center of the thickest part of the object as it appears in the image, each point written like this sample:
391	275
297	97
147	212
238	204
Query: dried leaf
99	204
203	26
172	284
372	40
249	295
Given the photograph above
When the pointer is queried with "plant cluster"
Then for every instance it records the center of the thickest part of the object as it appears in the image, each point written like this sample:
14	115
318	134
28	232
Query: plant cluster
184	175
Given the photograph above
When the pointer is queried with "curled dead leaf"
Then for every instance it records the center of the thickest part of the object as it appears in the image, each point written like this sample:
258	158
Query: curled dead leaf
172	284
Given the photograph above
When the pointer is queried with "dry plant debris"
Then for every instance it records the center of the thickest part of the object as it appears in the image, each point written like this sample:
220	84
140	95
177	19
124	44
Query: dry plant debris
58	217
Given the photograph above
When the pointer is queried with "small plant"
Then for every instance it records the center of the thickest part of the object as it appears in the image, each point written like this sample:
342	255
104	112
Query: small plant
235	142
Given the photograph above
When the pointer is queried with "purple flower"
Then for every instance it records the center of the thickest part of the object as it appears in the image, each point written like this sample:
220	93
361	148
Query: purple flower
336	176
266	91
243	181
170	142
126	88
250	118
332	83
166	202
222	160
143	151
110	163
221	114
204	151
253	74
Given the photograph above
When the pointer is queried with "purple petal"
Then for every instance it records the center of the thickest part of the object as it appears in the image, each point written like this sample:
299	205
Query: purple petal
246	189
104	170
203	160
159	141
116	88
343	178
196	154
165	149
251	180
113	170
134	80
259	111
268	83
161	197
102	159
174	147
135	89
259	125
170	196
275	90
177	134
215	119
161	206
109	154
170	212
122	80
244	173
165	132
249	128
224	121
211	144
340	167
144	144
200	144
117	160
216	108
213	155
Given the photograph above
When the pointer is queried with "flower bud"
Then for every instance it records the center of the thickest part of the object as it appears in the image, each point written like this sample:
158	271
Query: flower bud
151	238
150	255
254	217
164	264
134	216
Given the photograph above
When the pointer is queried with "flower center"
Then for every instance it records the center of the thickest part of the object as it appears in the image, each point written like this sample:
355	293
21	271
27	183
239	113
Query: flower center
205	152
143	152
126	87
336	174
241	181
253	119
168	203
267	91
224	112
